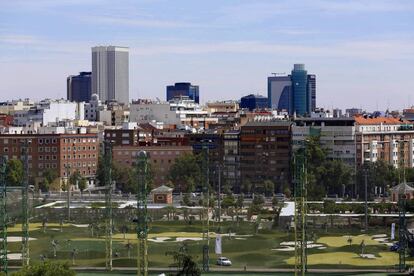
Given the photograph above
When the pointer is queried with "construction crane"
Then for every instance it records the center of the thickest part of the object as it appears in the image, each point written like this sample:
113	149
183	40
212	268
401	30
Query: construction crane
108	205
142	215
3	216
300	194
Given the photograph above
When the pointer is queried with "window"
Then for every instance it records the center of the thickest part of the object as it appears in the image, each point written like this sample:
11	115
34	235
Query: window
40	141
40	157
40	149
6	149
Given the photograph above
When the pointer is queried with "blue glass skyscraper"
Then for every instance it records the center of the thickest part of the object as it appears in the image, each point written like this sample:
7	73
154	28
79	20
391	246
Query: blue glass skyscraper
294	93
183	89
300	96
79	87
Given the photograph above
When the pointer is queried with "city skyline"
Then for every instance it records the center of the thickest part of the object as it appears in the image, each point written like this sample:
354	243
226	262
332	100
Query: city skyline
361	51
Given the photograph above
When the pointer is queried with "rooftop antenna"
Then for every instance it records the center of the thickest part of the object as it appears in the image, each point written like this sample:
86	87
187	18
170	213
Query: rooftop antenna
278	74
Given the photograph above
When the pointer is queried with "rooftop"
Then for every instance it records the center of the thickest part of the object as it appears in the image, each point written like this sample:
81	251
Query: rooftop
361	120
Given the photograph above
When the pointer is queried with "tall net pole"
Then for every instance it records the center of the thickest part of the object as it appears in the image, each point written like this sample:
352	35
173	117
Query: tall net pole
25	205
3	216
142	215
402	230
300	195
206	206
108	205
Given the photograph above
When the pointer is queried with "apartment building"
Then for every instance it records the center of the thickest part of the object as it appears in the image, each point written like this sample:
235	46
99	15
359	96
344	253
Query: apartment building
54	151
384	138
160	157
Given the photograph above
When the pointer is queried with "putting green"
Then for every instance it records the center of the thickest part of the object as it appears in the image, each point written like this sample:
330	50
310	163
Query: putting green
349	258
35	226
339	241
166	235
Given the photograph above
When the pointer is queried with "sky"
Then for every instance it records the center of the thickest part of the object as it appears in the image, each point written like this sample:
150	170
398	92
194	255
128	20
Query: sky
362	51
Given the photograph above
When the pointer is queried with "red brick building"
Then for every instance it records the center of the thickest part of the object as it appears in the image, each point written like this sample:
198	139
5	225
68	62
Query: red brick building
54	151
161	158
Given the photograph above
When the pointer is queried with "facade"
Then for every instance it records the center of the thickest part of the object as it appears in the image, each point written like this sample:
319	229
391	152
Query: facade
231	160
279	93
160	157
79	87
265	152
54	151
162	195
93	107
49	111
337	136
295	93
384	138
351	112
110	73
120	137
181	89
253	102
222	107
144	111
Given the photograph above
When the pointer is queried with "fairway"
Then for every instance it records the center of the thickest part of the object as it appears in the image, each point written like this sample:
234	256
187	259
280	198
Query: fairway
244	247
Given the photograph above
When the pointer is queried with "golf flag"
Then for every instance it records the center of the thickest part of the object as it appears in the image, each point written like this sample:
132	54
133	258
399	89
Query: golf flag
392	231
218	244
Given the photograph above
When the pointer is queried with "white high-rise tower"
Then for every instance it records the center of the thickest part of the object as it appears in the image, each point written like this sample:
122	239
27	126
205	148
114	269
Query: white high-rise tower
110	73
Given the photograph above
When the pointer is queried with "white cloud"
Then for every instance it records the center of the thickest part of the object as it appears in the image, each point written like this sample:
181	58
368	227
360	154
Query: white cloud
134	22
19	39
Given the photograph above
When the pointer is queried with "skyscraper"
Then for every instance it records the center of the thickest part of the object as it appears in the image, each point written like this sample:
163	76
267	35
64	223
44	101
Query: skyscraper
279	93
183	89
110	73
79	87
300	97
295	92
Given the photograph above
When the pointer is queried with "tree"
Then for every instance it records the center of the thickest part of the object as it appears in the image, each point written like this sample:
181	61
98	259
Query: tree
75	178
49	177
14	172
186	173
129	247
82	184
186	266
45	269
247	186
269	187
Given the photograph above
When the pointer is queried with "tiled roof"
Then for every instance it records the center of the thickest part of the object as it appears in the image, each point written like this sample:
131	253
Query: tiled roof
360	120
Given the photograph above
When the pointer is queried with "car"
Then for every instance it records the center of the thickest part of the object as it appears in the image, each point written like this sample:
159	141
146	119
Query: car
395	247
223	261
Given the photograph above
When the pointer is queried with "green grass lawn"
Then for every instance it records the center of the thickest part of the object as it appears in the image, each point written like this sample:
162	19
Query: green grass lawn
253	251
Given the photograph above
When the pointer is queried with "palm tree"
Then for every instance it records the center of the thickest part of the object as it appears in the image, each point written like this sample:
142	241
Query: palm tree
54	244
74	253
124	230
129	247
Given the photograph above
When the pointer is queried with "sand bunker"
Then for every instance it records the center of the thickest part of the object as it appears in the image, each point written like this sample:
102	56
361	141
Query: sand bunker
81	225
367	256
17	239
159	239
14	256
379	236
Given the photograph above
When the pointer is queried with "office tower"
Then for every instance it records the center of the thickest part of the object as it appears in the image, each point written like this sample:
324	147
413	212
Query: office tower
180	89
295	92
79	87
110	73
253	102
300	97
279	93
312	91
